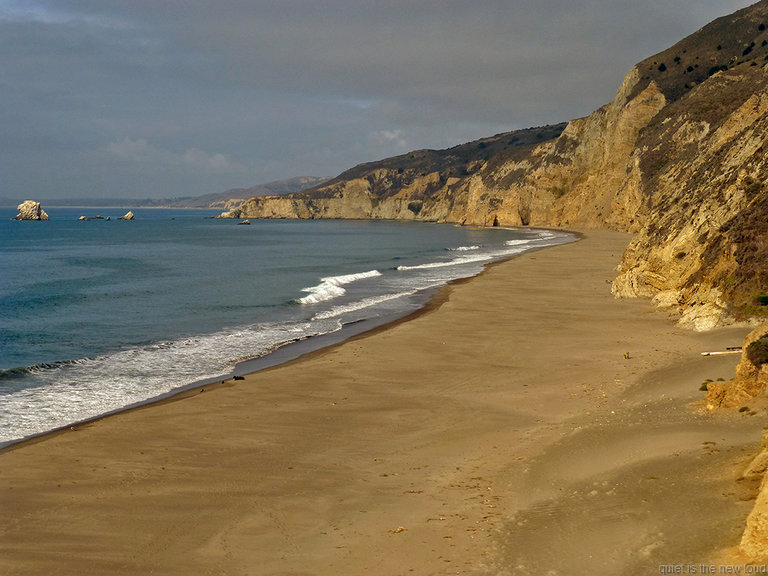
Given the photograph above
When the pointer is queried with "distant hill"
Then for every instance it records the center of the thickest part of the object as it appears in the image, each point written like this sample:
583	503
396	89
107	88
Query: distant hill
222	200
236	196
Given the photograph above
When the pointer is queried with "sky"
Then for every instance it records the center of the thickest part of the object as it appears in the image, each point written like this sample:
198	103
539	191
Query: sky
169	98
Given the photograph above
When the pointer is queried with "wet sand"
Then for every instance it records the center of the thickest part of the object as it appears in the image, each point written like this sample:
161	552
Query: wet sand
526	423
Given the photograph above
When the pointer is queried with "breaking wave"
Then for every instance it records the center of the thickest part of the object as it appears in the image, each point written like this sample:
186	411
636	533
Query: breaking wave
331	287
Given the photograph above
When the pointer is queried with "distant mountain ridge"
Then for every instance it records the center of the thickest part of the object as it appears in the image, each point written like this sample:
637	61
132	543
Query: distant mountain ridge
216	200
235	196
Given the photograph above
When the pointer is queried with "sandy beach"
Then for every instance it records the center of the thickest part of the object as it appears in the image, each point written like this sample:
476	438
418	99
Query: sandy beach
525	423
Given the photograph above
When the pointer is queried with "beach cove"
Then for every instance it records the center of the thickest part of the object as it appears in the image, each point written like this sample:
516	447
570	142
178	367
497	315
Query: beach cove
524	422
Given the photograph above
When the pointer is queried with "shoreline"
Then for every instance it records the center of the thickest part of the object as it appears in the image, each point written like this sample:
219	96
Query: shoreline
284	354
428	299
478	434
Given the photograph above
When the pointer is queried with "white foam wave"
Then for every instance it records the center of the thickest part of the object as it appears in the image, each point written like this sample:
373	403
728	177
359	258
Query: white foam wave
511	247
360	305
90	387
446	263
331	287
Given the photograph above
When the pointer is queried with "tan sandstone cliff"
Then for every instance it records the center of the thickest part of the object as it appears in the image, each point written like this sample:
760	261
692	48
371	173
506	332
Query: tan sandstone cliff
579	178
678	157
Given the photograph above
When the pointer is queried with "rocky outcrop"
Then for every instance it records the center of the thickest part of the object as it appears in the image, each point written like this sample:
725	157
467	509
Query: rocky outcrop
30	210
127	216
702	250
751	374
750	383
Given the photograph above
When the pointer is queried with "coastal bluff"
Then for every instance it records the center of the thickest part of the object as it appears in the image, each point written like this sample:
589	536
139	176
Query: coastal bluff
677	158
30	210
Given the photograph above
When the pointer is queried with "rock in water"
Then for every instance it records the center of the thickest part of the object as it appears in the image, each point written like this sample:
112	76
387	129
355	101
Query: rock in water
128	216
30	210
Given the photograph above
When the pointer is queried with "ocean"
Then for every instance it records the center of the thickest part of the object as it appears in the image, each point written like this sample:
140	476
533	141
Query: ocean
99	315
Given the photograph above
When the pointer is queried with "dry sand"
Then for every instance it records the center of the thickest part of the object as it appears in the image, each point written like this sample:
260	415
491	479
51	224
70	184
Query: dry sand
501	432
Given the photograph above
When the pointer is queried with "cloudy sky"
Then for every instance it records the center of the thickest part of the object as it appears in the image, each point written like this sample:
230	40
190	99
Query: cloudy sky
163	98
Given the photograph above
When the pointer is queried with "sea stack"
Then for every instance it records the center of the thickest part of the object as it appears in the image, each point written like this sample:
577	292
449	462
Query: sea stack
30	210
128	216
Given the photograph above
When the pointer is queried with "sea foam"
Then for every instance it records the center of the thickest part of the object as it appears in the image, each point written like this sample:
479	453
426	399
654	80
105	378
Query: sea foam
464	248
331	287
78	390
360	305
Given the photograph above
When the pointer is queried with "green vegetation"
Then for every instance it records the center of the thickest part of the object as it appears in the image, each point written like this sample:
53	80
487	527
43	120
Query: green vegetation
757	352
662	67
716	69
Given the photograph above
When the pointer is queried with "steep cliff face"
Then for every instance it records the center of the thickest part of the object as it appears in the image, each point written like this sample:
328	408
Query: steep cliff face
678	157
581	177
703	167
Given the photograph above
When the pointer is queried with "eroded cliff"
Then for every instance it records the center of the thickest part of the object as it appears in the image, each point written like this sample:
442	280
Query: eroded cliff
678	158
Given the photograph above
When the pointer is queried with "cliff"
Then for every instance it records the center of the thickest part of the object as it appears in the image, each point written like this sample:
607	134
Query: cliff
678	158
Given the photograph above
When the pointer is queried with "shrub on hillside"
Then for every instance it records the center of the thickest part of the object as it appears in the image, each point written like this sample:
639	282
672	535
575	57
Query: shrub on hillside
757	352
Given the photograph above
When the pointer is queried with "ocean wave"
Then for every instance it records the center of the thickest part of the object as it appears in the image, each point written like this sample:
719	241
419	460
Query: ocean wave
360	305
510	248
445	263
77	390
331	287
11	373
464	248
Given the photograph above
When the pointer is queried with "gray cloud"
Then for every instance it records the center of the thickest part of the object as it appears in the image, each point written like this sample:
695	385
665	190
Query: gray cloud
108	97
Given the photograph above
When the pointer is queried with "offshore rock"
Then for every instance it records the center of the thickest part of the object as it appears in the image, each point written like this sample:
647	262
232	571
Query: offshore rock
30	210
127	216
